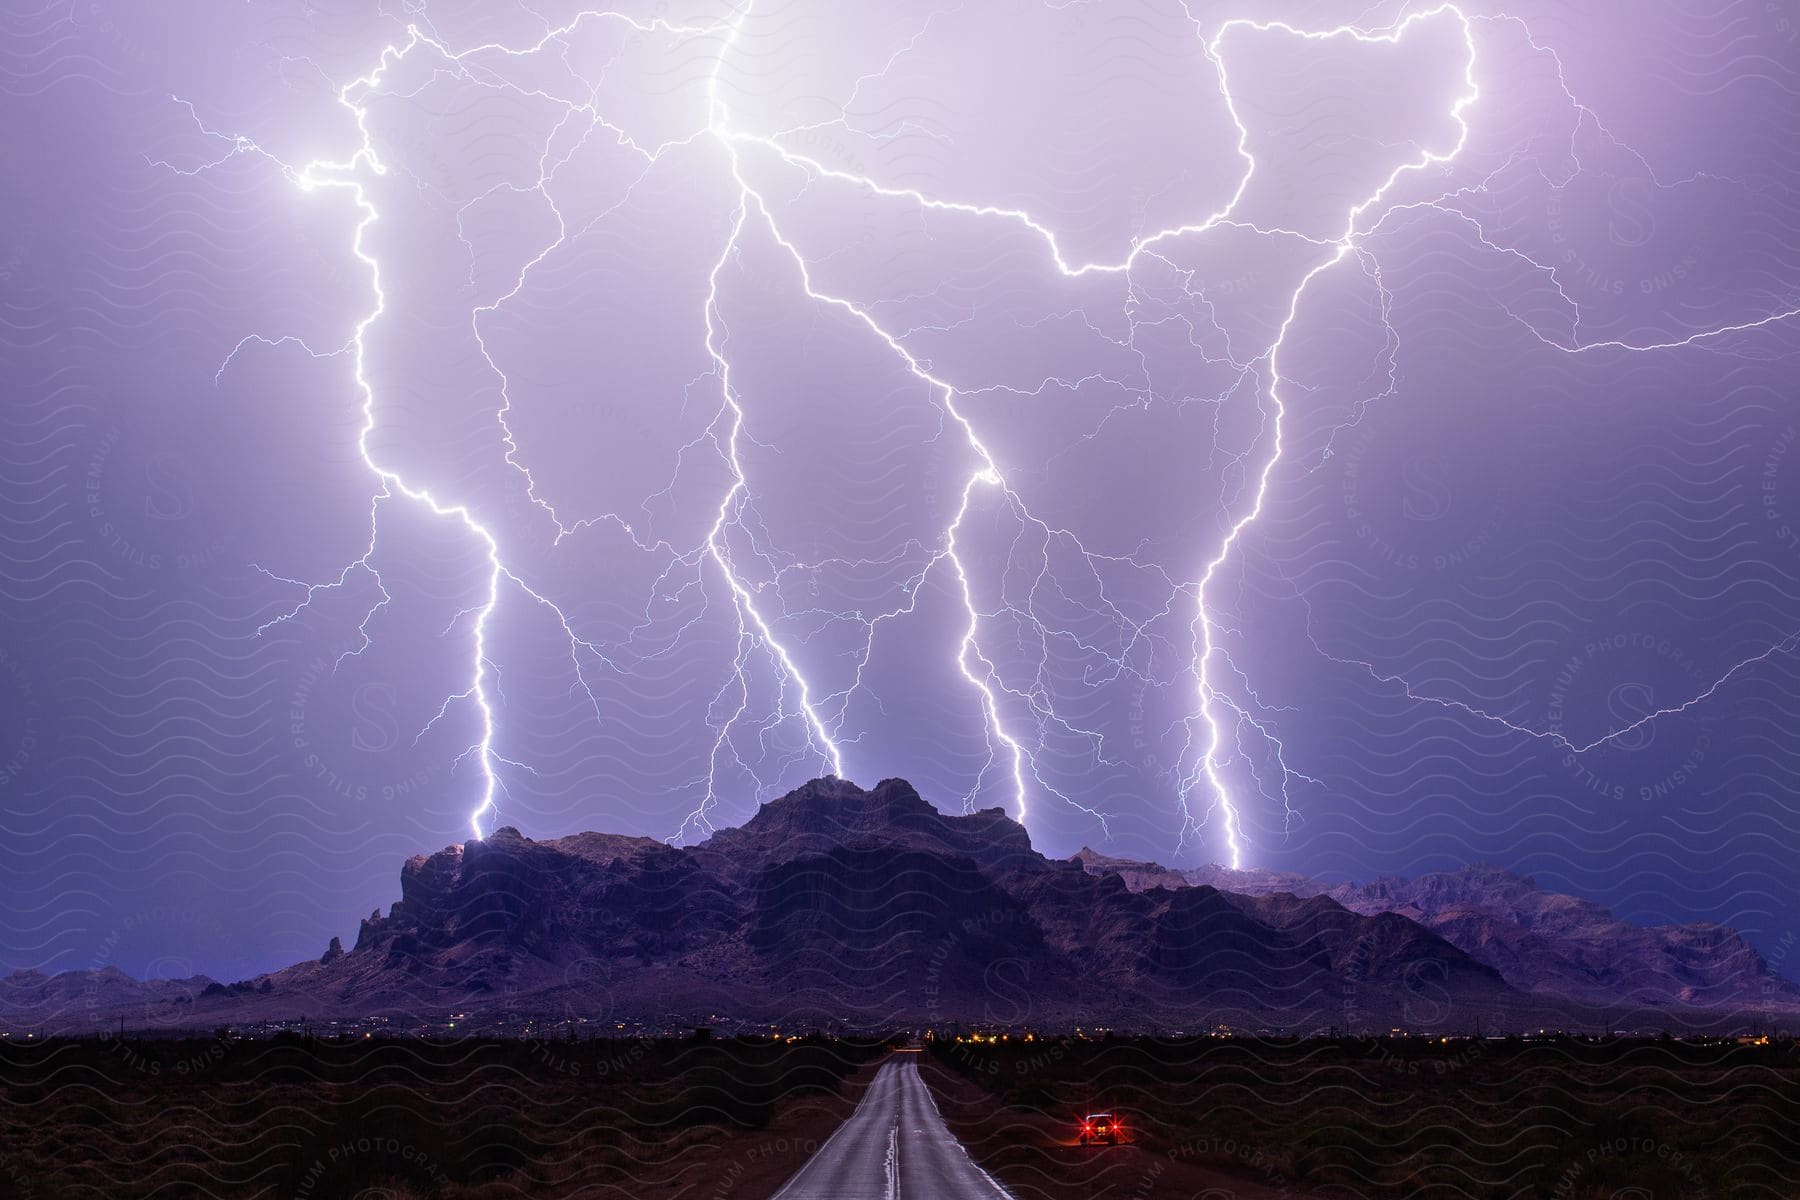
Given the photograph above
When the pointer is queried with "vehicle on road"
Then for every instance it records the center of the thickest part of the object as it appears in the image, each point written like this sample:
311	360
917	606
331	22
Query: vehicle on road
1101	1128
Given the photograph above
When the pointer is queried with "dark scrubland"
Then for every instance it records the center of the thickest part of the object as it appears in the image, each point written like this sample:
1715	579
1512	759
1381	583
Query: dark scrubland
300	1118
1563	1118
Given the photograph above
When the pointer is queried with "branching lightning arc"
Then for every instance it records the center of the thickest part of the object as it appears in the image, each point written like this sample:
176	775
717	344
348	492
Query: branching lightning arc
1225	709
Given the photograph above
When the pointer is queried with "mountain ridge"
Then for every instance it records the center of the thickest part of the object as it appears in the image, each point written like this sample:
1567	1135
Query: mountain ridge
851	908
1541	942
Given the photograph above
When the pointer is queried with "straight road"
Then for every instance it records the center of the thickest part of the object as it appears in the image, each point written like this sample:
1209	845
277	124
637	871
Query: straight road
895	1146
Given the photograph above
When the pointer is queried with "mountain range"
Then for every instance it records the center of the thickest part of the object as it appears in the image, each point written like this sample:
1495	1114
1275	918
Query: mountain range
848	908
1540	942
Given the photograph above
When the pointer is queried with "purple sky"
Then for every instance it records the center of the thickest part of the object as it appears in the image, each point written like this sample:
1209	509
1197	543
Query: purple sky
1202	433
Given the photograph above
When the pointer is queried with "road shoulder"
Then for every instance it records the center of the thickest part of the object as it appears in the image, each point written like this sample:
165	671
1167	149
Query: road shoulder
753	1164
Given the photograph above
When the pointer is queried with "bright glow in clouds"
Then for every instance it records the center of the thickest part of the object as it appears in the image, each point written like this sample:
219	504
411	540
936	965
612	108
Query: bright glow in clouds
1231	751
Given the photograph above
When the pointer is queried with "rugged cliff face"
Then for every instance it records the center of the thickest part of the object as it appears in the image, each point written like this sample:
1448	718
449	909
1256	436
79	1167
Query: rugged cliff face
870	908
1540	942
866	907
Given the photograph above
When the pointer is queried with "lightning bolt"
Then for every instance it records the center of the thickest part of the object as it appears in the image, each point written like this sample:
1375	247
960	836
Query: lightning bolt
1573	345
1213	701
1226	708
344	175
1786	645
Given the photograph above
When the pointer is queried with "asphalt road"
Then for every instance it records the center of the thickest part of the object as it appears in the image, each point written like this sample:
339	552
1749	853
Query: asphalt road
895	1146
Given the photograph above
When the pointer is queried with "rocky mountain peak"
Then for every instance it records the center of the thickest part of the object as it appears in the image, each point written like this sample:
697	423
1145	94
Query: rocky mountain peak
872	907
829	813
